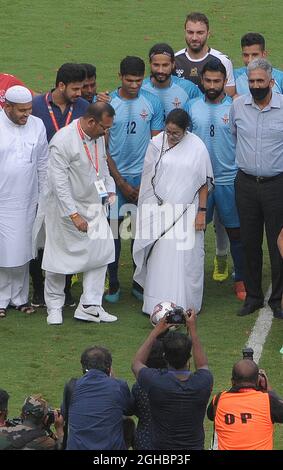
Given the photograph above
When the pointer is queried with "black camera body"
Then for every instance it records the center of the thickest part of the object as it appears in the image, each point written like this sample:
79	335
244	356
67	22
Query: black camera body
248	353
176	316
50	417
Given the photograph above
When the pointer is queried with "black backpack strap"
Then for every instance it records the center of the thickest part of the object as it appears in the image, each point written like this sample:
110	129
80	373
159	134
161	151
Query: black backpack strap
67	396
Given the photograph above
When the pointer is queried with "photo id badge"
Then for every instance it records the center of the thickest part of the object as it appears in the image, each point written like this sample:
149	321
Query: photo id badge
100	187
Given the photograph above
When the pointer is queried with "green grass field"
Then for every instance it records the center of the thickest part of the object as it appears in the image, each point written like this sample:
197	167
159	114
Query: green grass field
36	38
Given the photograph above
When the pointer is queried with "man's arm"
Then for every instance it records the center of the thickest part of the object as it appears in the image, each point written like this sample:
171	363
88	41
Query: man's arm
199	356
142	355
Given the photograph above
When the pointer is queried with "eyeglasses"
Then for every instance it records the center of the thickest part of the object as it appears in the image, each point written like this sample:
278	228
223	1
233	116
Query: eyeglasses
177	135
106	129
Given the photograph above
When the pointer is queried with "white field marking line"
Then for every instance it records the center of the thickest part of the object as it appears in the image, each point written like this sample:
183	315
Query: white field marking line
261	329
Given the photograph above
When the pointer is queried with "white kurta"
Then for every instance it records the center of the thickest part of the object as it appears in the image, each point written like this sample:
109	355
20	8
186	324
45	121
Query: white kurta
23	165
170	265
71	188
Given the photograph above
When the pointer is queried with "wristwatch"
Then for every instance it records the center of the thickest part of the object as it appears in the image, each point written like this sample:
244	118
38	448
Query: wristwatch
202	209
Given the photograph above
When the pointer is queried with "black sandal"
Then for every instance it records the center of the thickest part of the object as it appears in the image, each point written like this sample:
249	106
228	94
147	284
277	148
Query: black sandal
25	308
3	312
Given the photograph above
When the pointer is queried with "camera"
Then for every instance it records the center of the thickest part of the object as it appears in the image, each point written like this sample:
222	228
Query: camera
176	316
51	417
248	353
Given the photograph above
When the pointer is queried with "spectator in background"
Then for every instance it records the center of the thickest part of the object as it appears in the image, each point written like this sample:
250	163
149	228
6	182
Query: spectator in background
4	398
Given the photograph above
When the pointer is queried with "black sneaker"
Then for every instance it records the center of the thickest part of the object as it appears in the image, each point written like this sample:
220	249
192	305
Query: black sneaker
69	300
278	313
38	299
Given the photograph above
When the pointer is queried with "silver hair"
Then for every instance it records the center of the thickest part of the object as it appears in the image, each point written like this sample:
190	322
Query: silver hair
262	64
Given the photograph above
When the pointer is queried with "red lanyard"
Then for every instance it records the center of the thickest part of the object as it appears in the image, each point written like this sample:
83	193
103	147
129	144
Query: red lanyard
53	118
96	164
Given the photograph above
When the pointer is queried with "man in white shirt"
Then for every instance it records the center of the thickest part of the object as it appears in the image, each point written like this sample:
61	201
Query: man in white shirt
23	166
78	236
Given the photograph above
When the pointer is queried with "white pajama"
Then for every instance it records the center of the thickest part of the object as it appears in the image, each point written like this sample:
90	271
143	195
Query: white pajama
93	288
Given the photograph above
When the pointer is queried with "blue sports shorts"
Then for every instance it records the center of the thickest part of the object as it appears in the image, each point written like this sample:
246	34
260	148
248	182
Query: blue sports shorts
223	199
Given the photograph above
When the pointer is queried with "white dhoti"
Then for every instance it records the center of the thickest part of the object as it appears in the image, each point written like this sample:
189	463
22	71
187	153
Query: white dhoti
14	285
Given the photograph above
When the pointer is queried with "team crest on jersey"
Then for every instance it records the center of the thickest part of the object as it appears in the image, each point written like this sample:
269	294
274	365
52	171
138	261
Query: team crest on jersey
179	72
194	72
176	102
143	114
225	119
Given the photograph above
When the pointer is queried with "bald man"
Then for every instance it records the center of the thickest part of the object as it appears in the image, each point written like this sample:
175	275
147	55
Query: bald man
244	415
23	166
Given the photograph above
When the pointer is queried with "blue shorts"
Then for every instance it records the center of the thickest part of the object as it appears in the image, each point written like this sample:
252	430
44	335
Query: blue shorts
223	199
121	206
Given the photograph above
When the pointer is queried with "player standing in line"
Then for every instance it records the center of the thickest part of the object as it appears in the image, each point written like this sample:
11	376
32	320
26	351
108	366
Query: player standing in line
172	91
138	117
210	122
189	64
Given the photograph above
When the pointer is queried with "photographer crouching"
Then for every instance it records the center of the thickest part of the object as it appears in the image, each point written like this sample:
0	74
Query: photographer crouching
177	396
244	415
33	430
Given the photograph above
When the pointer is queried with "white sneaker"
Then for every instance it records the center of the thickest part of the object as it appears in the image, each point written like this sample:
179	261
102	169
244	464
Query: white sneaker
94	313
54	317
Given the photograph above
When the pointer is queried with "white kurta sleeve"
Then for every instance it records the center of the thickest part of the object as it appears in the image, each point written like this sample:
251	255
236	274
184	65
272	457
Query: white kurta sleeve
59	166
42	159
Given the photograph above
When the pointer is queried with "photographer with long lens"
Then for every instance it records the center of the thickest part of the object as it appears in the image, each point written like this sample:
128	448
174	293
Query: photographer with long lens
244	415
32	431
177	396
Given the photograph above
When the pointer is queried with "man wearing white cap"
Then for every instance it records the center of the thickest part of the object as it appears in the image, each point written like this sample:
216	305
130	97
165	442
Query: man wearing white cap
23	166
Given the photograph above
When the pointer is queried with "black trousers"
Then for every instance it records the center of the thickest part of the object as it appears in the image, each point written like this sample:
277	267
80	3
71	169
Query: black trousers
260	205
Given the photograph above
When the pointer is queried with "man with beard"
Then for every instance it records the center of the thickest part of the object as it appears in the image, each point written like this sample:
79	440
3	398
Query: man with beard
189	64
253	47
256	121
172	91
23	167
210	122
57	108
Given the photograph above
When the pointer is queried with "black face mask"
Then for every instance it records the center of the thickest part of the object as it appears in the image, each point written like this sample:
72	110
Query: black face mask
259	93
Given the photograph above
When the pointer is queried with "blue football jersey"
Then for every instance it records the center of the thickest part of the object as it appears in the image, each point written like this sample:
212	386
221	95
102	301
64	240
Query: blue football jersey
131	131
242	84
210	122
176	95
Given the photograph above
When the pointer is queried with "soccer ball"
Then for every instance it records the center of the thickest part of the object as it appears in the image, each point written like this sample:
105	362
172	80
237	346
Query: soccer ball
159	311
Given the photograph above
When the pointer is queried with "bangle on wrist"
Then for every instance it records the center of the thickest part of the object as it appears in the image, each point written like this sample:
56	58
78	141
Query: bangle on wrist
202	209
73	216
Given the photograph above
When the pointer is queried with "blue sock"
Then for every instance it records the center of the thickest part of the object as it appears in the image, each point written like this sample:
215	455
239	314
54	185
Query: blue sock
236	250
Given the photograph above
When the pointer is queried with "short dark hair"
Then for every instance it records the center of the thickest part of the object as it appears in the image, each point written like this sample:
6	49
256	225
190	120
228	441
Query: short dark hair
177	349
156	356
132	65
90	70
179	117
214	65
4	398
250	39
69	73
245	372
161	48
96	357
195	17
97	109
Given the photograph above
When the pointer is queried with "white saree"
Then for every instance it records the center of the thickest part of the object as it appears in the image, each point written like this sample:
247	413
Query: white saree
168	251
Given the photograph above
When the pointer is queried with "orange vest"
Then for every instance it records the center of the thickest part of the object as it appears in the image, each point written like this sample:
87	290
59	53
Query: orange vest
243	421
